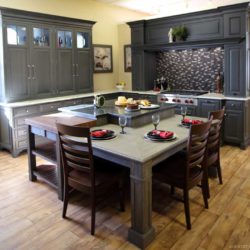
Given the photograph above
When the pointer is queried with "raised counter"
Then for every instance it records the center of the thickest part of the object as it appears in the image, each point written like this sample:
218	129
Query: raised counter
110	113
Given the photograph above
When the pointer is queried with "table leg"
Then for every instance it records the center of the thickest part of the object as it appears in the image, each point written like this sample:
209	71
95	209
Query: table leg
141	232
31	157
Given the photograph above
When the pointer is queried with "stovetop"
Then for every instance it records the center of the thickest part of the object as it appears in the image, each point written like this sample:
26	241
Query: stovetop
184	92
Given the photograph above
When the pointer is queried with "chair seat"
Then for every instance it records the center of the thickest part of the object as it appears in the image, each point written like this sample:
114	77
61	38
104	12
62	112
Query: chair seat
172	171
101	178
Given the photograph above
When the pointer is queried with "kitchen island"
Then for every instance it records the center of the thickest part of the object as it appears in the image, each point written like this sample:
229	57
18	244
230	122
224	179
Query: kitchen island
130	150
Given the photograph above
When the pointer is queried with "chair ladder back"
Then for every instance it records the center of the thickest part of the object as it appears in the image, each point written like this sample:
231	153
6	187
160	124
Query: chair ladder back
76	149
197	144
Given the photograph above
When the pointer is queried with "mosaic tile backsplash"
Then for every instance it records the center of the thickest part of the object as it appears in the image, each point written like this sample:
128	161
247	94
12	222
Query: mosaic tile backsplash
191	69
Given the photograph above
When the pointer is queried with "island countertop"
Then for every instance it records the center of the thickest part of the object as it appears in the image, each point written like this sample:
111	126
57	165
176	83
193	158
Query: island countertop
92	112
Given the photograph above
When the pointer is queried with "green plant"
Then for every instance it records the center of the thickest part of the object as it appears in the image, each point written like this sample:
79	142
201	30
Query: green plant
180	33
121	83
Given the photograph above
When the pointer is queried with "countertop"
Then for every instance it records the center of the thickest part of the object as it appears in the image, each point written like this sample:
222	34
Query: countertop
109	108
110	91
132	145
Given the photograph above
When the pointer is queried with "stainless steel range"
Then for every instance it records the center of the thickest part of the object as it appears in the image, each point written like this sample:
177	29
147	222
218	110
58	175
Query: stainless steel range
183	97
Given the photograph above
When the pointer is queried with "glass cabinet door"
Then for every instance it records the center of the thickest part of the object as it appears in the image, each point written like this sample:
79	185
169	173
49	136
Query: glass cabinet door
64	39
41	37
16	35
82	40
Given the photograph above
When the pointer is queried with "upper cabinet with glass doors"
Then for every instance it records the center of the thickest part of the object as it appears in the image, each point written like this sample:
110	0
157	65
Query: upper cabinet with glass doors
82	40
64	39
44	55
16	35
41	37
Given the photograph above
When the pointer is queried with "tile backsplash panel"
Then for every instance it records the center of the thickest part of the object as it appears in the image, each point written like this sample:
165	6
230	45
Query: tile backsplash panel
191	69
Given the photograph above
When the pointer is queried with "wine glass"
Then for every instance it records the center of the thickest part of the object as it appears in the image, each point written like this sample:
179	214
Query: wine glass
155	119
183	111
122	123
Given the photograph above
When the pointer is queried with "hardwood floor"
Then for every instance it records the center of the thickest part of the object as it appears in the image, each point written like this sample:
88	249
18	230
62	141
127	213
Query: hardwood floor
30	213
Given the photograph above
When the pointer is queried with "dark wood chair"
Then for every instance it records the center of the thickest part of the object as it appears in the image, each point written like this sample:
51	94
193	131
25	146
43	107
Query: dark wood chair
186	170
79	168
213	151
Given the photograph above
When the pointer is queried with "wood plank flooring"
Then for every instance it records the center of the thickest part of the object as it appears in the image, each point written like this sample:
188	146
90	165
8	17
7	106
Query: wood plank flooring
30	213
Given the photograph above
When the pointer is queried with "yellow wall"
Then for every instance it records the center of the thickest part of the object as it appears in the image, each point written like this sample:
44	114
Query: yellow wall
110	29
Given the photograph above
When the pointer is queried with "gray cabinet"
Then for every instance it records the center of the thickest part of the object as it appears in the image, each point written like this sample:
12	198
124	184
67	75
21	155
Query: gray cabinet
41	60
16	54
143	70
74	70
205	106
234	122
234	24
235	70
138	70
29	69
42	57
13	131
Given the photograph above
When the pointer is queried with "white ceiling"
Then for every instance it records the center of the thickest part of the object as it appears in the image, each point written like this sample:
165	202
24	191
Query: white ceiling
156	8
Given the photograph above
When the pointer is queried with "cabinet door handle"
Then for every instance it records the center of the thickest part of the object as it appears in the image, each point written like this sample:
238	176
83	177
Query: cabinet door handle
33	72
29	72
74	70
77	70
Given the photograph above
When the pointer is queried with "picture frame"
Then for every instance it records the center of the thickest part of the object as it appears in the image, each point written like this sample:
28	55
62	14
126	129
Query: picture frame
103	61
127	58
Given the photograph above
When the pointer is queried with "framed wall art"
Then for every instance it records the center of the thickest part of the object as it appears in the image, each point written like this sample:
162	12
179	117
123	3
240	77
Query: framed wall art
127	58
102	58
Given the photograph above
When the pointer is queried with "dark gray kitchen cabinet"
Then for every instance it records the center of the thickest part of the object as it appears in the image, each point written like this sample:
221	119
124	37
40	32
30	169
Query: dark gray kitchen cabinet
138	70
234	24
13	131
83	77
205	106
28	71
235	70
73	61
143	70
65	71
234	122
40	62
16	55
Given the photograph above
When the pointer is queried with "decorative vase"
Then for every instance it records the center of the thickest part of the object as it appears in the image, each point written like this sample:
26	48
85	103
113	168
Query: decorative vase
120	87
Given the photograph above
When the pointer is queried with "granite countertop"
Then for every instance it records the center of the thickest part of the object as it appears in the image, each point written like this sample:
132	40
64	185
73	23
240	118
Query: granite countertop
70	97
90	111
110	91
132	145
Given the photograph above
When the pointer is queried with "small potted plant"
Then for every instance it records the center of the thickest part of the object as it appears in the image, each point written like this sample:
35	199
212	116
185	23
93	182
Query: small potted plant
120	85
180	33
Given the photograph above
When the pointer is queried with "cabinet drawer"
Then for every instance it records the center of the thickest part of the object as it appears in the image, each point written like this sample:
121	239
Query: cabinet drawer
21	144
21	132
49	107
19	122
234	105
24	111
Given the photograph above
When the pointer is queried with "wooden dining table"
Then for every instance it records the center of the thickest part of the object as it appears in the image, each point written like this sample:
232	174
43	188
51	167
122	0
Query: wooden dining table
140	155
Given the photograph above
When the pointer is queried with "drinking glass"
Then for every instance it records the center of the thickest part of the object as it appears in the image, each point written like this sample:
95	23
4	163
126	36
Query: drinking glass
183	111
155	119
122	123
